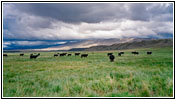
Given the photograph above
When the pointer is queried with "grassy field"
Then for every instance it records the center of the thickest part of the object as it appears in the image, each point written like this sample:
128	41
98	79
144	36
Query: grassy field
129	76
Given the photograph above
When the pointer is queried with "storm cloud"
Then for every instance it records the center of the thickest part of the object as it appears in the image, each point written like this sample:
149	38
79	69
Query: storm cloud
62	21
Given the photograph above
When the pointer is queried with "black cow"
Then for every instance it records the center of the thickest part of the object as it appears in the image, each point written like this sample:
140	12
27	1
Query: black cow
55	55
149	53
122	52
119	54
69	54
21	54
135	52
77	54
5	55
34	56
109	54
84	55
63	54
111	57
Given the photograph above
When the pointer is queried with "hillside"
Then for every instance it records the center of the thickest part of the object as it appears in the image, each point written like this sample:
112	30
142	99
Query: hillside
131	45
80	45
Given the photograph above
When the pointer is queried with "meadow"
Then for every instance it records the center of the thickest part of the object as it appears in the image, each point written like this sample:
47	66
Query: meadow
95	76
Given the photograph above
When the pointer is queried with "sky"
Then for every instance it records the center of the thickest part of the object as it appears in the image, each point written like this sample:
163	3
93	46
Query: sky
31	25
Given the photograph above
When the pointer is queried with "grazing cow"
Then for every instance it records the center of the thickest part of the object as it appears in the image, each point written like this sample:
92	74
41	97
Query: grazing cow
109	54
84	55
34	56
122	52
135	52
119	54
55	55
69	54
149	53
5	55
21	54
63	54
77	54
111	57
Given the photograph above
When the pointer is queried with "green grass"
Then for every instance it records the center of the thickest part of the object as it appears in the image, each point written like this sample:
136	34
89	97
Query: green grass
129	76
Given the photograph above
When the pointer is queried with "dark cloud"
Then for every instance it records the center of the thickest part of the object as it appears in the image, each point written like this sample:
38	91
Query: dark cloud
64	12
139	12
62	21
76	12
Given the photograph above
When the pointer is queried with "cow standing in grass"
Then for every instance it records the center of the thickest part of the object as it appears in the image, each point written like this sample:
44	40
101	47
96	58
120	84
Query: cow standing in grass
34	56
55	55
84	55
119	54
135	53
5	55
149	53
77	54
69	54
21	54
112	57
122	52
109	54
63	54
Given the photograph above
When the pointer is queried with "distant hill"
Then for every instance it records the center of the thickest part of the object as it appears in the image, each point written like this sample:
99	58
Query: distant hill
147	43
80	45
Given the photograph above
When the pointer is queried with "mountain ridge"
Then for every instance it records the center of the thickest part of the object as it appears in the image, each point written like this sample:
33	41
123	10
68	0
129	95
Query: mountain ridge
129	45
108	44
94	42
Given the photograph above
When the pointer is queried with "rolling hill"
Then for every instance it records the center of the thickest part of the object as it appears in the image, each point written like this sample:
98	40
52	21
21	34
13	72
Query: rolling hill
80	45
143	43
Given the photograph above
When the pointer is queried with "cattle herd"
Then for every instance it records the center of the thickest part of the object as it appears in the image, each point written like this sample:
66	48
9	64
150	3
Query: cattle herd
110	55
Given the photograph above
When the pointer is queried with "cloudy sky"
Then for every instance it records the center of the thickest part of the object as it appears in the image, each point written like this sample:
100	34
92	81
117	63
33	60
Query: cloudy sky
34	24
